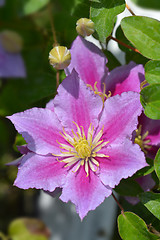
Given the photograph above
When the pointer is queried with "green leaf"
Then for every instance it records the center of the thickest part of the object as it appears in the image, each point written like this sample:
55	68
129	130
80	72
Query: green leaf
146	170
132	227
103	14
150	99
151	202
154	4
157	164
152	72
31	6
144	34
130	54
128	187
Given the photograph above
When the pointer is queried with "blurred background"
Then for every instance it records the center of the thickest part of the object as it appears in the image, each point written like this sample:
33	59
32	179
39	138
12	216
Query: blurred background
27	80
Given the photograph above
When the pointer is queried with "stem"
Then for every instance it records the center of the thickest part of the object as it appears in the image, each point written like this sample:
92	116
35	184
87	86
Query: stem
124	44
153	230
130	10
57	78
119	205
52	25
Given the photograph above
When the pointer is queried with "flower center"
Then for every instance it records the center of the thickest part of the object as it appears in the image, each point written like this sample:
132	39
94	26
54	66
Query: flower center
81	150
140	139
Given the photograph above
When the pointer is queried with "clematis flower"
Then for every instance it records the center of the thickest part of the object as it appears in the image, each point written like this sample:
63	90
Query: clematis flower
77	146
90	63
11	61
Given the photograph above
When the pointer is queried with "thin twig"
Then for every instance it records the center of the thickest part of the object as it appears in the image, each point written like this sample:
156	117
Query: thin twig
122	209
57	78
124	44
52	25
130	10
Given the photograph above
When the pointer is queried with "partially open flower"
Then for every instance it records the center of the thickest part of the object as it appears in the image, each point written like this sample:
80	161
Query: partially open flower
59	57
11	41
85	27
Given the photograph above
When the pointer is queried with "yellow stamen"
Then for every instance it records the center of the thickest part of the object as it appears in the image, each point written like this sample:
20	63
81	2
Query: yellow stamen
140	139
81	151
102	94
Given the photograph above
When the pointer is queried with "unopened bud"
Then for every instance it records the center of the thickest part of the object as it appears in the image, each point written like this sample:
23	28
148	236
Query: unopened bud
85	27
59	57
11	41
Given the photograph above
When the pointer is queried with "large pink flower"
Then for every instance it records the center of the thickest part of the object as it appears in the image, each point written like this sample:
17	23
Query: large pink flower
90	64
79	147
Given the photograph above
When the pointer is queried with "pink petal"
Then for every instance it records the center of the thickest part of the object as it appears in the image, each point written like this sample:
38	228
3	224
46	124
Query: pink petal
23	149
85	192
89	62
125	78
75	102
146	183
40	128
124	160
120	116
11	65
50	105
41	172
152	126
15	162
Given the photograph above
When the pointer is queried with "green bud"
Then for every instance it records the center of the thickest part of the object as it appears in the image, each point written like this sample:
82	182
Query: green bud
85	27
59	57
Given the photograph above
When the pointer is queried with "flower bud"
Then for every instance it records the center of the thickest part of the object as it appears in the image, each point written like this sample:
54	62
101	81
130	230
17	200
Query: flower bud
59	57
85	27
11	41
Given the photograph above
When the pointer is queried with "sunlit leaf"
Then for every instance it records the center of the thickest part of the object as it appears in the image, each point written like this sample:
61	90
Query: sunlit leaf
103	13
150	99
157	163
152	202
144	34
132	227
152	72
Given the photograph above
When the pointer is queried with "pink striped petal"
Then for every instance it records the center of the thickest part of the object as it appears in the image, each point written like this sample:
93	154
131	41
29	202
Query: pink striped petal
85	192
50	105
75	102
40	128
41	172
89	62
124	160
120	116
125	78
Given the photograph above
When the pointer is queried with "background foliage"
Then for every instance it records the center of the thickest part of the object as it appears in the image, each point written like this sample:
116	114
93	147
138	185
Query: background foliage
34	21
